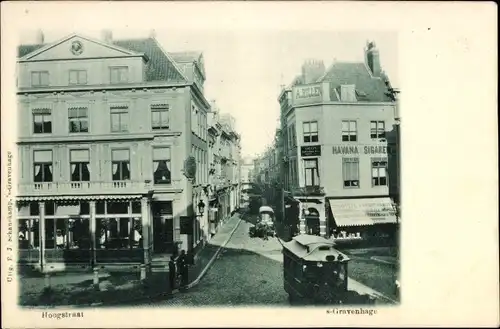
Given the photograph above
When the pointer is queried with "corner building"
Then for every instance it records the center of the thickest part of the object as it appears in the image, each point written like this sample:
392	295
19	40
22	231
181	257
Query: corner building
340	148
105	131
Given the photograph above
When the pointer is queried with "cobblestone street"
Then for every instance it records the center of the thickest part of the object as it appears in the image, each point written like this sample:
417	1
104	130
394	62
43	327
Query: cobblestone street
247	272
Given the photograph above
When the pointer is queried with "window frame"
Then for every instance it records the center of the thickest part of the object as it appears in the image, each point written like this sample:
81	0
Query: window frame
314	174
43	116
311	133
120	69
121	112
39	74
78	74
379	131
79	119
352	135
42	166
120	165
168	162
351	185
376	181
71	162
162	109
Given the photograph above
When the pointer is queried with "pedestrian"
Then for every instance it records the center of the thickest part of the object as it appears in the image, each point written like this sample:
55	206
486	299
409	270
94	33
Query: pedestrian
172	275
183	268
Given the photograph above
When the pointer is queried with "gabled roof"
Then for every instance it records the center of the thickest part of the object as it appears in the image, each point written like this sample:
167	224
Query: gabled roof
159	67
186	56
368	88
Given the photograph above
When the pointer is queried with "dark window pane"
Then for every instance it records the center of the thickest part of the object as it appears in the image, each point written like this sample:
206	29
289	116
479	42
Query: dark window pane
50	208
346	183
85	171
307	139
47	125
118	207
84	208
345	138
353	138
34	209
383	181
47	172
38	173
315	138
136	207
100	207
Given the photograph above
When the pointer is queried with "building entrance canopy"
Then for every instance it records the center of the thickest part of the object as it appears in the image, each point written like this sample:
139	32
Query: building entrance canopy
360	212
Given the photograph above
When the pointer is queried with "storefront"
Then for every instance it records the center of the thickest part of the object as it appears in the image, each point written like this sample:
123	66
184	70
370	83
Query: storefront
86	231
365	218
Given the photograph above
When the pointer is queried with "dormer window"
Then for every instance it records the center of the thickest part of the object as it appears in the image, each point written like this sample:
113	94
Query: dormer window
348	93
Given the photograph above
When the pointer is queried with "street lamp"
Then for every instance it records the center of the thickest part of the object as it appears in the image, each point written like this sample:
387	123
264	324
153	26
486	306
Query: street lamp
201	207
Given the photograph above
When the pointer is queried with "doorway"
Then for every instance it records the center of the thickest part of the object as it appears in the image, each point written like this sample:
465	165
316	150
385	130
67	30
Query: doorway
163	228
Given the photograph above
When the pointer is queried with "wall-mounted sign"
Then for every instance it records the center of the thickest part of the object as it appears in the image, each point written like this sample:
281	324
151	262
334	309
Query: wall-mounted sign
360	149
186	225
307	94
310	150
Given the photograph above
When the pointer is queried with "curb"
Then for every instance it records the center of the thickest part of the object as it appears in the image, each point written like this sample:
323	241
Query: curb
175	291
375	258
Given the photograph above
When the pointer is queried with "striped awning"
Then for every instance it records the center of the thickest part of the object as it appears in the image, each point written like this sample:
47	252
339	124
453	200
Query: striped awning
361	212
80	197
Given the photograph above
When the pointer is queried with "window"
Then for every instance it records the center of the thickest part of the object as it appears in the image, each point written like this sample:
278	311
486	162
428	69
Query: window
39	78
379	172
310	131
42	166
377	129
119	74
160	116
350	172
347	93
161	165
42	121
28	234
311	171
119	118
79	163
118	233
120	162
77	77
349	131
78	120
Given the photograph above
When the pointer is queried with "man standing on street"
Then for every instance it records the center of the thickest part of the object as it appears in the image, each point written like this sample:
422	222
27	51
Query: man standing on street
172	273
183	268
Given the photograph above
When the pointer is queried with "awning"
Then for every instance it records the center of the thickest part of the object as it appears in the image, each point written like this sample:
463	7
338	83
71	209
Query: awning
80	197
359	212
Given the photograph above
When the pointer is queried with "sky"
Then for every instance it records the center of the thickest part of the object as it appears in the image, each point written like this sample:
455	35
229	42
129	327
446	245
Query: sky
246	67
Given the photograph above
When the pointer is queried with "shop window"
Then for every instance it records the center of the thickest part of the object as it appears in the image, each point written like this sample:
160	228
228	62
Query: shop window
42	169
100	207
84	208
349	131
379	172
42	121
34	209
119	118
79	235
28	235
117	207
160	117
50	208
118	233
161	165
136	207
377	129
120	162
310	132
350	172
78	120
311	172
79	165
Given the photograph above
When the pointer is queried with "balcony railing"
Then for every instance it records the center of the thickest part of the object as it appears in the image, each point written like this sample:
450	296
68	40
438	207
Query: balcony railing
109	187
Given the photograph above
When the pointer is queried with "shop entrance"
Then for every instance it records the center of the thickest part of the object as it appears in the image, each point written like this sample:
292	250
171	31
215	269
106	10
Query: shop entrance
163	228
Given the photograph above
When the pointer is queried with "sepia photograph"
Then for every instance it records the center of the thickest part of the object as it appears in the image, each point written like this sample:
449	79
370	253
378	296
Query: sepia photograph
172	167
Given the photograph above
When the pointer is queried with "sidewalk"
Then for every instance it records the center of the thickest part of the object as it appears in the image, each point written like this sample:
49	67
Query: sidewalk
77	289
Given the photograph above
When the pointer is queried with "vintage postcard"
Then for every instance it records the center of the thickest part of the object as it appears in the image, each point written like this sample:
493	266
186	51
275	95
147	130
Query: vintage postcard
169	164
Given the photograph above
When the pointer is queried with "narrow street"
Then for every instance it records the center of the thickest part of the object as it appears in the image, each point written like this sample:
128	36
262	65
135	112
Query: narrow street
248	272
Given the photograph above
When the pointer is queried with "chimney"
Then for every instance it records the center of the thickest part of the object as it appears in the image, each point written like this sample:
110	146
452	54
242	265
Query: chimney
312	70
373	59
39	37
107	36
152	33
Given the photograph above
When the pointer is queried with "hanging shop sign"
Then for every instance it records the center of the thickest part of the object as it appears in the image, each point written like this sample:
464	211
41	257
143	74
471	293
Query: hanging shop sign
186	223
310	150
